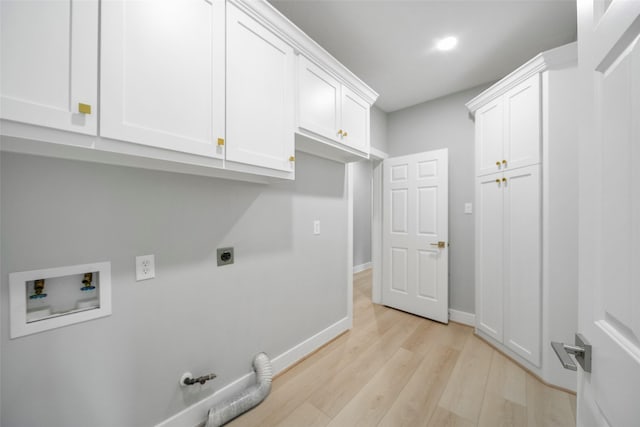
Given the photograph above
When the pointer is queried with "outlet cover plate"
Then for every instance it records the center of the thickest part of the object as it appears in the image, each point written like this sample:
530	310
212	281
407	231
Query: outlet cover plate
145	267
225	256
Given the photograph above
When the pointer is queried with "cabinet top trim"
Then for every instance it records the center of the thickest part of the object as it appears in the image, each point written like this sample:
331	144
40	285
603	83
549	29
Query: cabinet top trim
551	59
271	18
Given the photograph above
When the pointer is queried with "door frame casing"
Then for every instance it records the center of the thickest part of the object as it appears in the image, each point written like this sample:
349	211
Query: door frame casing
377	157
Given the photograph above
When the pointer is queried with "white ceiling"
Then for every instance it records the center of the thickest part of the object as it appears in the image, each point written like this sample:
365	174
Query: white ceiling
388	43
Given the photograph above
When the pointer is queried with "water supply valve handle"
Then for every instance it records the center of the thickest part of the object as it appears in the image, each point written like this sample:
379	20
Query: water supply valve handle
187	379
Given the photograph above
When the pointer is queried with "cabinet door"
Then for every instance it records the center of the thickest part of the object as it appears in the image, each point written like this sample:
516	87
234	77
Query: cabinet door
162	74
522	123
489	255
260	104
50	63
319	101
489	138
522	268
355	120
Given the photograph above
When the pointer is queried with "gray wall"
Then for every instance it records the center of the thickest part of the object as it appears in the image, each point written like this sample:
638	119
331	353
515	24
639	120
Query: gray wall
379	129
445	123
123	370
361	212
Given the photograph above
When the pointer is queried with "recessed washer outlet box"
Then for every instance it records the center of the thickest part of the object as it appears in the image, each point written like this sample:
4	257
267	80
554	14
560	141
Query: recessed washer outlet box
225	256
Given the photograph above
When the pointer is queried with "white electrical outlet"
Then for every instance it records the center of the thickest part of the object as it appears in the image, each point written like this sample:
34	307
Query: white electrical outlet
316	226
468	208
145	267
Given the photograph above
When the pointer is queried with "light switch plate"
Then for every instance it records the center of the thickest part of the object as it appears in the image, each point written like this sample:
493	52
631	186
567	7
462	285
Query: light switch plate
316	227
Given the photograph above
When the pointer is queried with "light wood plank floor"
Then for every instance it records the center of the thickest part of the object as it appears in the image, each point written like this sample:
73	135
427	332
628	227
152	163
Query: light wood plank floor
395	369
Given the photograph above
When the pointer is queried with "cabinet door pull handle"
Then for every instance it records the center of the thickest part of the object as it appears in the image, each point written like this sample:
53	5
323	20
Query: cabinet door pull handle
220	141
84	108
340	132
497	181
292	158
504	162
504	179
345	133
498	163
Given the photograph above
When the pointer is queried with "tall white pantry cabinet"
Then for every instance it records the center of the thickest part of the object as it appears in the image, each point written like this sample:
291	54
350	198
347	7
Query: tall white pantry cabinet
526	212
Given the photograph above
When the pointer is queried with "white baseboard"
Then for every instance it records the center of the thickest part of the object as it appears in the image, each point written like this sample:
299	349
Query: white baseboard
462	317
195	414
308	346
361	267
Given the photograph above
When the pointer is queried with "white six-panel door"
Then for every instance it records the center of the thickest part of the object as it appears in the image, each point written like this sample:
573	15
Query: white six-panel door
50	63
609	287
415	219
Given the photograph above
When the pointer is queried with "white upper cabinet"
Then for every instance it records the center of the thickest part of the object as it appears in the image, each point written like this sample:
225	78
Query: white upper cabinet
490	137
162	74
260	94
522	124
319	100
204	87
508	129
49	73
329	112
355	121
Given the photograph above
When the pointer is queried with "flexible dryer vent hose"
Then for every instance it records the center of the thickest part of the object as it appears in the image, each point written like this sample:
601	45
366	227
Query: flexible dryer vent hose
248	398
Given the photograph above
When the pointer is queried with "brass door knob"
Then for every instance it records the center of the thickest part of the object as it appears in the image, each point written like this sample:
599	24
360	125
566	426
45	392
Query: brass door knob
440	244
345	133
498	163
498	181
504	179
504	162
339	131
292	158
220	141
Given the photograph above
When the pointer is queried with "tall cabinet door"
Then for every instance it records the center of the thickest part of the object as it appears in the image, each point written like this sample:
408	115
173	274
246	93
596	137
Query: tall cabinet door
522	124
522	267
355	120
260	97
319	102
489	138
162	74
49	74
489	255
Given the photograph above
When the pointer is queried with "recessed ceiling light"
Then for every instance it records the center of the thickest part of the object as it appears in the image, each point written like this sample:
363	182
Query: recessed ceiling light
447	43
